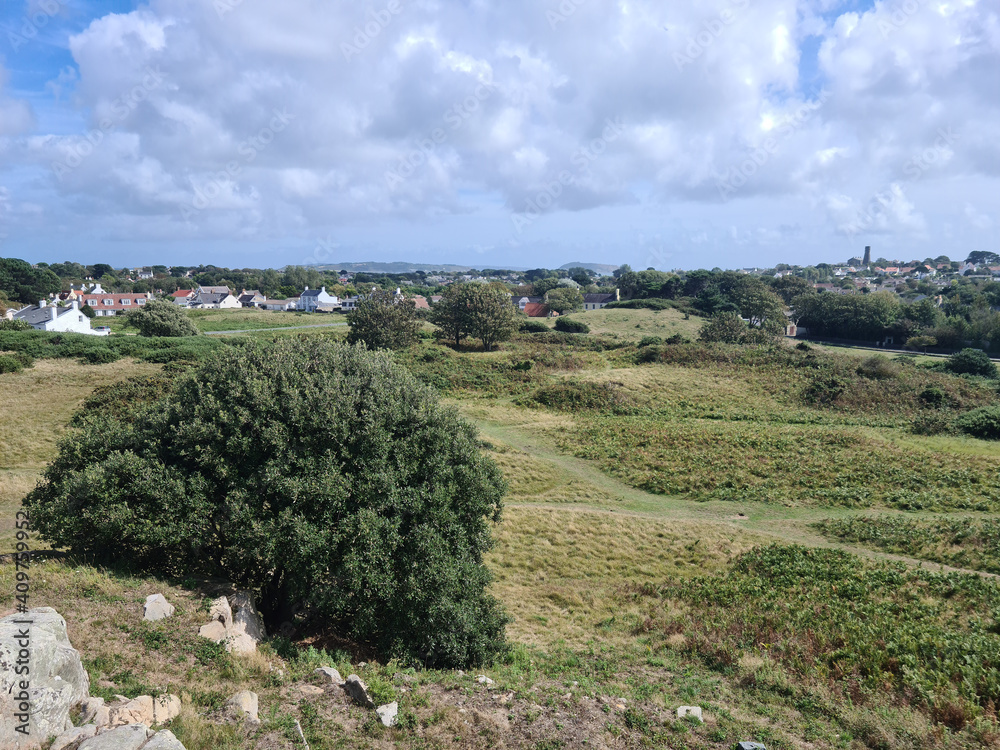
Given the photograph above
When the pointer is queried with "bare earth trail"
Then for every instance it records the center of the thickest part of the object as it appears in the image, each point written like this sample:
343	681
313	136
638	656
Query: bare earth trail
788	525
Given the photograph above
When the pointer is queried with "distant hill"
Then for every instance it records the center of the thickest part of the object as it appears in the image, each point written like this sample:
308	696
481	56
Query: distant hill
396	267
601	268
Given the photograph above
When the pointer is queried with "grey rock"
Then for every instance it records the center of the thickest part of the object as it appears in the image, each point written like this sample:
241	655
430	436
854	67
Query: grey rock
244	705
331	674
685	711
358	690
89	708
387	713
235	623
129	737
71	738
58	680
164	740
484	680
165	708
246	617
157	608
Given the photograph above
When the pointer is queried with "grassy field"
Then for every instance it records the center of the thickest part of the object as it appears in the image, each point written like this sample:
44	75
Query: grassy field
685	526
241	319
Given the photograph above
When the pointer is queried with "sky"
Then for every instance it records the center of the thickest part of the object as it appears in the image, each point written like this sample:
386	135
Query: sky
522	133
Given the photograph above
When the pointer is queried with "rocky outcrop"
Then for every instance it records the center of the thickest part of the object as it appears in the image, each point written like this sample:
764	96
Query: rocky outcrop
156	608
244	705
37	700
387	713
358	691
330	674
236	623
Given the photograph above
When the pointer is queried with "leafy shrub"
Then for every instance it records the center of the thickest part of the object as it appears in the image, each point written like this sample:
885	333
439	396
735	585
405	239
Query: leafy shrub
982	423
161	318
933	396
676	339
569	325
650	341
100	356
930	424
641	304
802	346
534	326
574	395
10	363
972	362
824	389
14	325
319	476
878	367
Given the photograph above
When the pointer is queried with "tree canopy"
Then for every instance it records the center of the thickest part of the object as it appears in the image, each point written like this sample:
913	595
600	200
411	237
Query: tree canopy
19	282
564	300
482	311
160	318
320	476
382	321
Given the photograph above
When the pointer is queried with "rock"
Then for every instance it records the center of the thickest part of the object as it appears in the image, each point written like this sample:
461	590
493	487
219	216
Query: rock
750	746
157	608
89	708
164	740
358	691
215	631
220	611
484	680
238	642
244	705
136	711
102	717
130	737
73	737
308	690
694	711
409	679
246	618
331	674
57	682
387	713
165	708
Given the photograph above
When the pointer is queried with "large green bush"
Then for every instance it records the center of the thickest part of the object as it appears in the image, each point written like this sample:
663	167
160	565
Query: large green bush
161	318
320	476
982	423
571	325
972	362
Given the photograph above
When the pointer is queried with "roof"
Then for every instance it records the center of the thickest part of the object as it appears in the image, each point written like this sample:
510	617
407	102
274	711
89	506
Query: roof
536	310
182	293
211	299
597	298
420	302
223	290
34	315
313	292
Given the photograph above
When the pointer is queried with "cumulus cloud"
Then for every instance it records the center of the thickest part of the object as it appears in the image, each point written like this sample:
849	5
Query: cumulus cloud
256	119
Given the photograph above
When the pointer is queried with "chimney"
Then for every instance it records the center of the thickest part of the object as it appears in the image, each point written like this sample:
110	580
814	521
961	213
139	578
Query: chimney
41	303
76	304
322	290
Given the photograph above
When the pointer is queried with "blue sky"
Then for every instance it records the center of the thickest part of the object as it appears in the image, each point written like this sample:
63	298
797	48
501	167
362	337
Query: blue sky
724	133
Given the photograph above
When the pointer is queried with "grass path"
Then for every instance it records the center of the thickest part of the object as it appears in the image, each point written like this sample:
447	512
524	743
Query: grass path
789	525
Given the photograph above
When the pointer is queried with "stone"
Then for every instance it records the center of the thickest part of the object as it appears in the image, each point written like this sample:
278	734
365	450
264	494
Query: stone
89	708
58	680
358	691
308	690
331	674
163	740
387	713
244	705
484	680
73	737
246	618
102	717
750	746
220	611
157	608
136	711
165	708
409	679
129	737
685	711
215	631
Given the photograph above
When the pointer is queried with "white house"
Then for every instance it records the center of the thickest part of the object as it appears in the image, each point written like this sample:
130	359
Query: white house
277	304
600	301
48	317
213	301
310	299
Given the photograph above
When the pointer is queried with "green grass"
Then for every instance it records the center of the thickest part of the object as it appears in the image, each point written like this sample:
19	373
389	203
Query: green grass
250	319
972	543
632	325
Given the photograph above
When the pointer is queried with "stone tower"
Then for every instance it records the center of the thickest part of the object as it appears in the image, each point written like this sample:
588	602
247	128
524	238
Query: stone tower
868	257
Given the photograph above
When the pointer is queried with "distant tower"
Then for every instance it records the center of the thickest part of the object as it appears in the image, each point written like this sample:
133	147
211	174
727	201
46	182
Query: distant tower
868	257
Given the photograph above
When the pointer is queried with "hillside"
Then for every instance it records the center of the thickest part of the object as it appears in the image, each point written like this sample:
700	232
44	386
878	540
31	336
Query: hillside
755	531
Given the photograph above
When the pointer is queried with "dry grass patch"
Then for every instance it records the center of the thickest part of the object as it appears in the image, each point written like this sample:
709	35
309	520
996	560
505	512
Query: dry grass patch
634	324
558	571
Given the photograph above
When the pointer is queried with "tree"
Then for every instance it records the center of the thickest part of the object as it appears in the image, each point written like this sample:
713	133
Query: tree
790	287
382	321
727	328
980	257
160	318
581	276
19	282
492	317
564	300
88	311
322	477
921	342
451	314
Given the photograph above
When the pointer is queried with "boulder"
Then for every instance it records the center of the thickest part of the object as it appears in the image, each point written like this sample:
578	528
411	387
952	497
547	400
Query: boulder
685	711
220	611
136	711
163	740
387	713
165	708
246	618
358	690
73	737
130	737
237	624
89	708
244	705
330	674
57	681
157	608
484	680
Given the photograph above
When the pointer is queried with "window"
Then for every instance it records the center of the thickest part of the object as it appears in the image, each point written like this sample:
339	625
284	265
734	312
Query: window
107	302
141	301
126	302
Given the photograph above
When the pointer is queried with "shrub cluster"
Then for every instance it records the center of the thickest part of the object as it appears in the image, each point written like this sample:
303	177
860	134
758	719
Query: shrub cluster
571	325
